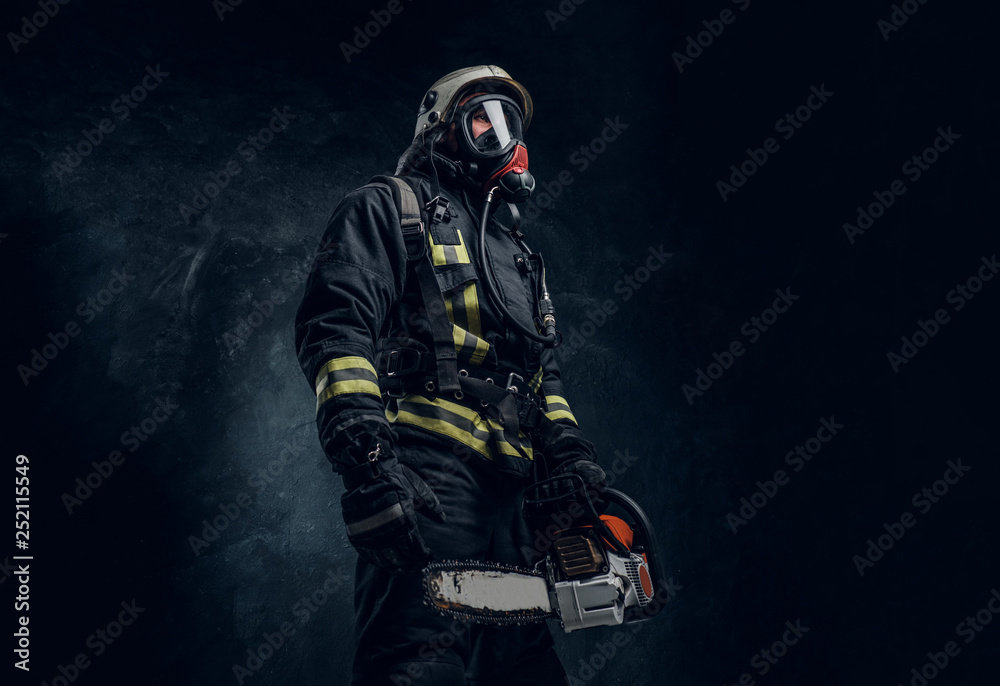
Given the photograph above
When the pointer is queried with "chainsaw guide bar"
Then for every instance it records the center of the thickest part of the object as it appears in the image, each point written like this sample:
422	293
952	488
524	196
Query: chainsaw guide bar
487	592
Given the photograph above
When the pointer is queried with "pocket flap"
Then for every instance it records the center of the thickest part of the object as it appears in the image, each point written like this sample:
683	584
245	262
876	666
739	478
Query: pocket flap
451	276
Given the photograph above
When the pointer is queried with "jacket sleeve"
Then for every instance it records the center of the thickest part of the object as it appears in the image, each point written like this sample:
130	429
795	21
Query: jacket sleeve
564	442
357	278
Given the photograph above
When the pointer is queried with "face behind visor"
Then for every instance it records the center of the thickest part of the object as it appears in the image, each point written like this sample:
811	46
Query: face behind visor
489	126
489	131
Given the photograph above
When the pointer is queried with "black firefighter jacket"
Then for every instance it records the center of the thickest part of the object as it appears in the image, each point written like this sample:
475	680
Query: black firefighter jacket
362	298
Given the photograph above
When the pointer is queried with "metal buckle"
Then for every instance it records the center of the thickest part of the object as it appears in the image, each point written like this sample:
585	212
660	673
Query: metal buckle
510	382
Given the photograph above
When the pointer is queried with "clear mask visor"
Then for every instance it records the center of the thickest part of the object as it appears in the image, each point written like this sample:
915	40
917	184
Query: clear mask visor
491	124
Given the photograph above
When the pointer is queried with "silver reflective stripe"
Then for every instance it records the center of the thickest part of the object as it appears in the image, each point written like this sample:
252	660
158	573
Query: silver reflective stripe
375	521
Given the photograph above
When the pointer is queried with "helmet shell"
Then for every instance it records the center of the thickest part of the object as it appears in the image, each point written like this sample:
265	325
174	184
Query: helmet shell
440	101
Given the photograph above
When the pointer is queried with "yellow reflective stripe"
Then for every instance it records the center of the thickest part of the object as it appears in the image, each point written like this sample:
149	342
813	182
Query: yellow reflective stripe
350	374
460	251
536	380
463	311
470	346
438	256
340	364
462	307
482	347
472	310
348	386
448	254
439	426
457	422
558	408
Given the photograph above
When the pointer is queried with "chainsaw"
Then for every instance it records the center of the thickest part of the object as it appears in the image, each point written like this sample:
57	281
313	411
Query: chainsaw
599	570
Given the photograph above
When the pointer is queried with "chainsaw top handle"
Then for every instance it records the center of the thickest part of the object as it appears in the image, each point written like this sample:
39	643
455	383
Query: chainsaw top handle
567	494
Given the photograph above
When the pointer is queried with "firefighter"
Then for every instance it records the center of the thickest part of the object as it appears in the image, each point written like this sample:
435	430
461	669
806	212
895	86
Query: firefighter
428	334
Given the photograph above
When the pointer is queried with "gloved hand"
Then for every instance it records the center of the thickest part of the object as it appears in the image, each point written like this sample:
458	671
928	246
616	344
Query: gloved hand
588	470
568	452
380	508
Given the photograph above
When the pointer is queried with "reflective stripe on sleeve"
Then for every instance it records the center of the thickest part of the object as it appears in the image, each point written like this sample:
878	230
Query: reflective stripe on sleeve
341	375
556	407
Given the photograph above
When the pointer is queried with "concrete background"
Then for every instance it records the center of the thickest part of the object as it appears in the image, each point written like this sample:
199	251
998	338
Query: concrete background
177	335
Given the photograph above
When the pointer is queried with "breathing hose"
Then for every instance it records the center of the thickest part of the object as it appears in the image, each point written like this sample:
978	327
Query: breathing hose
545	308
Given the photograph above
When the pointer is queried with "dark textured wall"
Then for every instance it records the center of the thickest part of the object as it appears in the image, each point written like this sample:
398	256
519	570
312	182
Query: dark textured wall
237	442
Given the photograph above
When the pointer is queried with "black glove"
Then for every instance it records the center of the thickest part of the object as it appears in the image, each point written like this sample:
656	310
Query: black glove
588	470
568	452
380	507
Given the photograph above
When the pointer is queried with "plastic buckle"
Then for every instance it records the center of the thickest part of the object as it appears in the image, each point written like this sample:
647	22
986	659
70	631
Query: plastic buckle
439	207
393	356
413	238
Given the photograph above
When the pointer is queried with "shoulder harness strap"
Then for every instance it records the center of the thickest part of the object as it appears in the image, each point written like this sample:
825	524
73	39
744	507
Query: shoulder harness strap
410	220
415	239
